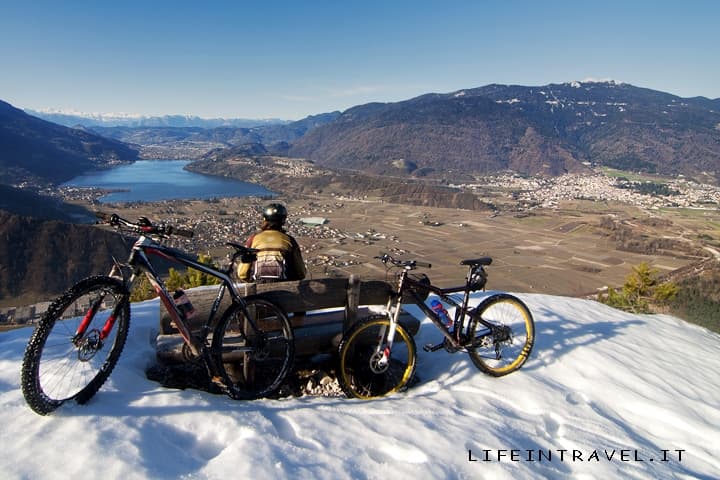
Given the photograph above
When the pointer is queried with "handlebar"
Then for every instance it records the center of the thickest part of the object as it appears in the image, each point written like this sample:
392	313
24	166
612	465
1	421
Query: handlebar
246	254
143	226
408	264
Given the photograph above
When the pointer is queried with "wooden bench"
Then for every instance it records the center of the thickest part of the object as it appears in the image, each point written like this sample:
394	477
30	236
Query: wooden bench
331	306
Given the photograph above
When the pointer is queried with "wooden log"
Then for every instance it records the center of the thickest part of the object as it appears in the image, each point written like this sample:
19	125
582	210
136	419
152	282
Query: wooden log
353	302
320	311
296	296
320	333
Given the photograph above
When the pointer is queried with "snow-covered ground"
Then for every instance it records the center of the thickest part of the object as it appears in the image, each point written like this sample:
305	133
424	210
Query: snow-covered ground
605	394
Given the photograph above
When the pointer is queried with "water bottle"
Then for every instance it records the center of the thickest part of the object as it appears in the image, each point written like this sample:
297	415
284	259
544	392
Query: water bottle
439	309
183	303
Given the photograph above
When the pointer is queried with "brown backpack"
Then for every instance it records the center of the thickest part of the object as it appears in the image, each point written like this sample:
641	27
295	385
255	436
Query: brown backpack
269	266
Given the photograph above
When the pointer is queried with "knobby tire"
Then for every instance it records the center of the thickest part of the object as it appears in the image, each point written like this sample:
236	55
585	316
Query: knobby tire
253	363
500	353
55	369
359	376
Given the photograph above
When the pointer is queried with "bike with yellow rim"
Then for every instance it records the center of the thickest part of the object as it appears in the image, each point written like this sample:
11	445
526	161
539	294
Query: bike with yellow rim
378	355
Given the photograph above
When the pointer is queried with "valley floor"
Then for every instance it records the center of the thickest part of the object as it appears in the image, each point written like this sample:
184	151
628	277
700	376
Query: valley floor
563	251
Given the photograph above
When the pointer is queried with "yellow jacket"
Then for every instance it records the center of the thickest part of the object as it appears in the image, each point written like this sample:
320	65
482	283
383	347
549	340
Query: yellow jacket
279	245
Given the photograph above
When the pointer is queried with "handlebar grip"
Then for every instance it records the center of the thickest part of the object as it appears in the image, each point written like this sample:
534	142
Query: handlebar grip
109	218
104	217
246	254
423	264
242	248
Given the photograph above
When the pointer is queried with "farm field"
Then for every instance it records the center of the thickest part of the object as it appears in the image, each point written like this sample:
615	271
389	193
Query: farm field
562	251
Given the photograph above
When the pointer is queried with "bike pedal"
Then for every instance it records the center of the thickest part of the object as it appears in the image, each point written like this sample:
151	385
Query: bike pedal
429	347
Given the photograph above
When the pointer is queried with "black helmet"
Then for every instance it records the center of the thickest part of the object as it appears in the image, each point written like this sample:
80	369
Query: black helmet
275	213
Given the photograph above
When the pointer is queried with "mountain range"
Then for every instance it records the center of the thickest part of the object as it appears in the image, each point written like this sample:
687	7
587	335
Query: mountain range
74	119
550	129
32	149
220	136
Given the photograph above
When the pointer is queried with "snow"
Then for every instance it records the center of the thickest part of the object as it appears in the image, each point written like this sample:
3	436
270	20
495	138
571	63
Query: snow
93	115
605	394
600	80
509	102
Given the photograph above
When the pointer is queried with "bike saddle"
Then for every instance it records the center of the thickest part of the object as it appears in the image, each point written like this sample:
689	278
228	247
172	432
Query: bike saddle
477	261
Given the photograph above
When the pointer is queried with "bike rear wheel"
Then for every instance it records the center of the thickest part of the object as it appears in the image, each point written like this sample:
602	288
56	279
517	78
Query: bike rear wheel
253	361
506	346
60	365
365	371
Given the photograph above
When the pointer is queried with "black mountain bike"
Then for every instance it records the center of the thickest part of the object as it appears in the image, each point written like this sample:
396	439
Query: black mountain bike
377	355
248	352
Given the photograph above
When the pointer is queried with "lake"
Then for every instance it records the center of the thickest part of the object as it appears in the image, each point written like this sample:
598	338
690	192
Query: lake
154	180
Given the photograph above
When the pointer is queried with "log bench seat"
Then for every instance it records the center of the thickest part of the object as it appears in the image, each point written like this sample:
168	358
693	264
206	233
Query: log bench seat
331	306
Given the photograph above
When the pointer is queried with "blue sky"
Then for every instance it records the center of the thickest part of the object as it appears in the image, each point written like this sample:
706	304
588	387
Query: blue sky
289	59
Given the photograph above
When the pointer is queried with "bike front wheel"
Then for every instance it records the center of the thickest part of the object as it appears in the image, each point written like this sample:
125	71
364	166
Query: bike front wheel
369	366
253	348
76	344
504	345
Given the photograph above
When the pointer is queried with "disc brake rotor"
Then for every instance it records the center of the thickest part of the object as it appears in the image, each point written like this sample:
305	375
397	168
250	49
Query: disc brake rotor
89	346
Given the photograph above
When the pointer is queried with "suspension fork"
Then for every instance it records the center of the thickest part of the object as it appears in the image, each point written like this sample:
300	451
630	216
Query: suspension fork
386	349
110	322
92	311
90	315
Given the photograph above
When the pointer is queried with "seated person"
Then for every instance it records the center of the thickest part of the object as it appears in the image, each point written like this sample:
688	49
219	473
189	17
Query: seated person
279	257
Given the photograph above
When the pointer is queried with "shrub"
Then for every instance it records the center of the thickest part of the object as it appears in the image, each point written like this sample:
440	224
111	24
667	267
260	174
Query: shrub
192	278
143	290
641	291
696	302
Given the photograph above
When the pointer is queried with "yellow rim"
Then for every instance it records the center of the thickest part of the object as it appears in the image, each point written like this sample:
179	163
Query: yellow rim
525	352
408	369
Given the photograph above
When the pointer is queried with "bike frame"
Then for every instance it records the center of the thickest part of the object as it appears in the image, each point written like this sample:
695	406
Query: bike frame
405	284
497	334
140	263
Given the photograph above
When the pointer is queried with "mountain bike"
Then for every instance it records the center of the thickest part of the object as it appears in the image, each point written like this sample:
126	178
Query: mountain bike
377	355
248	352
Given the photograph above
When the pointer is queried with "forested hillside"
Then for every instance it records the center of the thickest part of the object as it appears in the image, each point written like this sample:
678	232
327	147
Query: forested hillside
551	129
36	150
41	258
